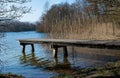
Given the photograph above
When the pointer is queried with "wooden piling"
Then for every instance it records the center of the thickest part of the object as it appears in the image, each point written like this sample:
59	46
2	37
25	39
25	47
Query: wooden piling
55	51
65	51
32	48
23	48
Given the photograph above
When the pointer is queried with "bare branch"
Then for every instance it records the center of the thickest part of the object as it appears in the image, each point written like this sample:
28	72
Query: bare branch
13	9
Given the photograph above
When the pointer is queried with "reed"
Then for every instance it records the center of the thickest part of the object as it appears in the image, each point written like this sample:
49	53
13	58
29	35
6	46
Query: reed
77	21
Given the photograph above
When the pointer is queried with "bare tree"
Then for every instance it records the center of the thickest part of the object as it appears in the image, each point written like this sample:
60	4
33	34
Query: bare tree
12	9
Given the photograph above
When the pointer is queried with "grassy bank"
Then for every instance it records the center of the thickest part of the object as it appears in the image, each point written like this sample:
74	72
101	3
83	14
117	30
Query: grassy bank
10	75
110	70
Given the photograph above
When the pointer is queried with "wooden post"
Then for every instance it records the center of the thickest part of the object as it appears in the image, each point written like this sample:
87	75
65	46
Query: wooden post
65	51
55	50
55	61
32	48
23	48
65	60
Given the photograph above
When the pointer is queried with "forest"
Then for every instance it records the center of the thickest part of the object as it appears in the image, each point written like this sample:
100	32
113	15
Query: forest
87	19
16	26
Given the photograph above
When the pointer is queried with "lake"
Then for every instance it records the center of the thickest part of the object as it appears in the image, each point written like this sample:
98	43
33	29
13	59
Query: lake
41	63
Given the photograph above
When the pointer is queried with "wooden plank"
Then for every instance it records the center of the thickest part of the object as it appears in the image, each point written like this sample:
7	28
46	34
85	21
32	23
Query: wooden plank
82	43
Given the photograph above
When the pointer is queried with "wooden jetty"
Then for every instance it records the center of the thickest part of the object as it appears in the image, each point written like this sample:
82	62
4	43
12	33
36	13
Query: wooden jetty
57	43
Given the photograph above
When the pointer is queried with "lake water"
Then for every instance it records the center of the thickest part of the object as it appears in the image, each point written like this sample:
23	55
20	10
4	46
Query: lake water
41	63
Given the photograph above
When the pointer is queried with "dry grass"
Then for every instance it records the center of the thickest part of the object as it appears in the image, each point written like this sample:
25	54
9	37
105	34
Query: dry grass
99	31
69	22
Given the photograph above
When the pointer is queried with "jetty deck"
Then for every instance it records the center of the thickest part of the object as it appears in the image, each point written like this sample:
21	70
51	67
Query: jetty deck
57	43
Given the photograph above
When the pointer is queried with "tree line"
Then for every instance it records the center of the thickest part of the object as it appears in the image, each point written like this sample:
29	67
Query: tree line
84	19
11	10
16	26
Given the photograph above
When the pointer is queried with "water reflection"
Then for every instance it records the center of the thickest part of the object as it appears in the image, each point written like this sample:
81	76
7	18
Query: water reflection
65	64
3	48
65	61
47	64
78	58
31	59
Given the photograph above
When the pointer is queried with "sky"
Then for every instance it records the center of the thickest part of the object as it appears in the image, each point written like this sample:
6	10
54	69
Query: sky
38	8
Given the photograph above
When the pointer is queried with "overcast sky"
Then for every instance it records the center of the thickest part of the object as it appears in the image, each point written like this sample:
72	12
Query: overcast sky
38	8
